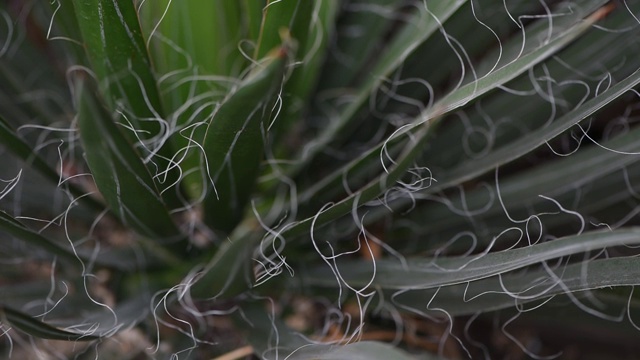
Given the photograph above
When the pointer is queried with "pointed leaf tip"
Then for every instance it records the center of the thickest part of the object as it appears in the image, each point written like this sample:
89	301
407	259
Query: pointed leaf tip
234	141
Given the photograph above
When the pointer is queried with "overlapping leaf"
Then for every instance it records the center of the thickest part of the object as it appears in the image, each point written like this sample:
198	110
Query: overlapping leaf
514	289
434	272
116	49
40	329
120	174
235	139
453	100
17	146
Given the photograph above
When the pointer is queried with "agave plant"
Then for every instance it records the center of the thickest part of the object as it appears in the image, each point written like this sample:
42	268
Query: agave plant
334	179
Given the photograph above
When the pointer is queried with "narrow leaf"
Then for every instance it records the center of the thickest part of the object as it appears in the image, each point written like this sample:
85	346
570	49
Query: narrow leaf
39	329
17	229
475	89
116	49
120	174
118	258
534	139
515	289
252	10
194	48
229	272
597	167
197	35
10	140
368	192
293	15
234	142
79	318
434	272
420	27
118	55
351	53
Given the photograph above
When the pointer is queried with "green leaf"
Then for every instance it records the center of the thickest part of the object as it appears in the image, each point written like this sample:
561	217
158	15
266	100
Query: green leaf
420	27
352	50
467	93
125	259
252	11
193	45
40	329
17	229
229	272
10	140
516	289
120	174
430	116
486	50
292	15
65	33
442	271
234	142
456	99
199	33
510	70
99	319
373	189
311	56
116	49
118	55
564	17
593	170
351	175
295	18
76	317
533	139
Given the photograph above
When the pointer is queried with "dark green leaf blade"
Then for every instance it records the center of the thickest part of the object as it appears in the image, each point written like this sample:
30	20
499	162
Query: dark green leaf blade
252	10
117	258
75	318
40	329
119	172
515	289
229	271
116	49
455	99
233	144
534	139
442	271
295	18
190	40
21	149
12	226
293	15
423	24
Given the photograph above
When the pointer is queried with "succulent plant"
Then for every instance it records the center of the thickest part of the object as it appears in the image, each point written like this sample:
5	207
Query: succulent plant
293	179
